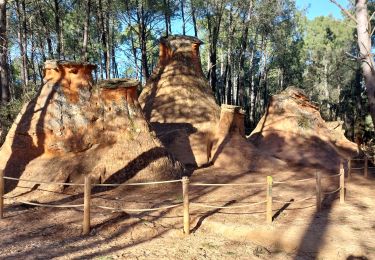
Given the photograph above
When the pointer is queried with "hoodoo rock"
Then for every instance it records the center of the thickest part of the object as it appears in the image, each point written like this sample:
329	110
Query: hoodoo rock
178	101
293	130
232	151
74	127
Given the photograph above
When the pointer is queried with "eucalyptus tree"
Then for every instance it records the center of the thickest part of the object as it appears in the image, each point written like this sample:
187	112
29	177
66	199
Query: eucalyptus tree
4	70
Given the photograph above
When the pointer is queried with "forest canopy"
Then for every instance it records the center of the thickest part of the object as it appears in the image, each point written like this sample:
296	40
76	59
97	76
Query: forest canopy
253	49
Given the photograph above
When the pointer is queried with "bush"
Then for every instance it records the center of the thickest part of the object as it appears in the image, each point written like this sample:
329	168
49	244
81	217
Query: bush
10	110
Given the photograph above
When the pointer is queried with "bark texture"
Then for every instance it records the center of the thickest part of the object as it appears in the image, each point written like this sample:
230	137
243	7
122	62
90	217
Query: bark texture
367	59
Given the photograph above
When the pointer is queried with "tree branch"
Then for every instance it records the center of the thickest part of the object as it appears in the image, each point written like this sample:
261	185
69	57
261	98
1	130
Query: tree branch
344	10
352	56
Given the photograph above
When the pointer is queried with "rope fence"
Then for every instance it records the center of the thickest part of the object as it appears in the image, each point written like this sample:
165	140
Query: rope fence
225	207
139	210
365	167
46	205
43	182
186	203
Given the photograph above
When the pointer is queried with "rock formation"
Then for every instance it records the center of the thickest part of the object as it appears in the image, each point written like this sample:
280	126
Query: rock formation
74	128
293	130
232	151
178	101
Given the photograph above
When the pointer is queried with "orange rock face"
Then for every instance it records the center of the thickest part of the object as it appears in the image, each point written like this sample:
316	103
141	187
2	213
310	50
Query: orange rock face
232	151
178	101
293	130
74	127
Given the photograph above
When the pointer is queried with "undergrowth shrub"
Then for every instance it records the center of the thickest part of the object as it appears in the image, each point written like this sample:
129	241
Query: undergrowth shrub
10	110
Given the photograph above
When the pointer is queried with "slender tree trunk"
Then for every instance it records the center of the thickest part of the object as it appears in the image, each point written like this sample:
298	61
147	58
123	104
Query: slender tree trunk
32	57
86	26
21	42
58	28
166	16
364	44
108	40
24	40
143	40
194	18
4	68
213	24
47	34
183	17
104	35
244	40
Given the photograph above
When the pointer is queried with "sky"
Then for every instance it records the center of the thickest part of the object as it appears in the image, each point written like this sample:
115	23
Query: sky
321	7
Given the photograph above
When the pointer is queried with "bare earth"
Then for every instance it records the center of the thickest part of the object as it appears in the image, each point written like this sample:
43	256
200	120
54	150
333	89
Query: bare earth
340	231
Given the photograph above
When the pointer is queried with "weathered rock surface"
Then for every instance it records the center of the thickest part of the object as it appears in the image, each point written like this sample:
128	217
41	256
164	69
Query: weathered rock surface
232	151
74	128
179	102
293	130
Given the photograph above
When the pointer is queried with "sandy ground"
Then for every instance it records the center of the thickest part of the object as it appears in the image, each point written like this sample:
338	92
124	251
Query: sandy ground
339	231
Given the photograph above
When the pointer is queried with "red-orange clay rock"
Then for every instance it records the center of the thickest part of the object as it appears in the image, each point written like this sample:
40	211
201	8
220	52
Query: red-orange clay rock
232	151
178	101
74	127
293	130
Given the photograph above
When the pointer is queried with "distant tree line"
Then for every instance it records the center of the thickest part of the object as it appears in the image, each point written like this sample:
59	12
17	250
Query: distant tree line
253	49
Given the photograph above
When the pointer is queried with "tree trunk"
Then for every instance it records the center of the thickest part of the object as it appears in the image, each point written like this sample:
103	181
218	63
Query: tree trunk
86	32
58	28
183	17
4	68
364	44
166	17
107	43
194	18
143	40
213	25
21	42
104	35
244	40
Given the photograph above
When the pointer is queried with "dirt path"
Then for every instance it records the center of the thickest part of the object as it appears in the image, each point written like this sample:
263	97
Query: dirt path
340	231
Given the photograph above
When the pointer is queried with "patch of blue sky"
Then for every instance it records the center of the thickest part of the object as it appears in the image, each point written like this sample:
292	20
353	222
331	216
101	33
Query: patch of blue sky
316	8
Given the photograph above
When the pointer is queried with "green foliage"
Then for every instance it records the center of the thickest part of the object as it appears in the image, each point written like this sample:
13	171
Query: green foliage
304	122
9	112
261	47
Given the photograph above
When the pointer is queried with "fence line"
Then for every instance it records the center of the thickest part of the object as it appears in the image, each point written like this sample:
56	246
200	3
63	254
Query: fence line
133	184
139	210
185	191
365	167
45	205
44	182
331	192
226	184
225	207
302	180
294	201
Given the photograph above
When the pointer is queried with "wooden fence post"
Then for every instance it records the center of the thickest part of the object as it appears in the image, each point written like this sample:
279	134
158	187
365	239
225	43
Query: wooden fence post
86	205
318	191
366	167
349	168
185	195
269	200
342	183
1	194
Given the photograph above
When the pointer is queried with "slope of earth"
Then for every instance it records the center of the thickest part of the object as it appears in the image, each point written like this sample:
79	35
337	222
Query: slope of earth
293	130
339	231
73	128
